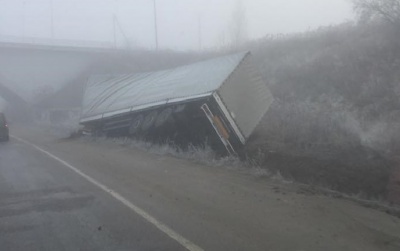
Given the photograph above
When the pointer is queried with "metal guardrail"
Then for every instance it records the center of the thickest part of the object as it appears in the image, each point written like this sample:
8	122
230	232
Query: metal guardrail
56	42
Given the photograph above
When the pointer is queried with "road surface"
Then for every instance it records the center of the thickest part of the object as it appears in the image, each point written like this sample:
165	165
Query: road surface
77	195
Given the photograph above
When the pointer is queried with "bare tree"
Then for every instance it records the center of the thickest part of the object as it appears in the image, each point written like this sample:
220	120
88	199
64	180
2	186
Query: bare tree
388	10
238	27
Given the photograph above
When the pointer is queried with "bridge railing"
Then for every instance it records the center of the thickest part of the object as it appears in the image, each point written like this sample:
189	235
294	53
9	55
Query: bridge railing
56	42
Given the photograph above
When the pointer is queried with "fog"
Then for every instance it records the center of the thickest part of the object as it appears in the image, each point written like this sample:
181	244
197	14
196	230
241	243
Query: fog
180	22
182	26
332	69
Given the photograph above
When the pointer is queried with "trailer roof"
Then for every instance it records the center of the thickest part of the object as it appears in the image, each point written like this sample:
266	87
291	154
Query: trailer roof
110	95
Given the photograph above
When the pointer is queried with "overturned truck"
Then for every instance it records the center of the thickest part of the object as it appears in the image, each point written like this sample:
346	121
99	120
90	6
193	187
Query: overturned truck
222	99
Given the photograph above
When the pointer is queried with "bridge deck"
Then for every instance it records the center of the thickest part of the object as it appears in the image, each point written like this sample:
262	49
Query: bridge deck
56	44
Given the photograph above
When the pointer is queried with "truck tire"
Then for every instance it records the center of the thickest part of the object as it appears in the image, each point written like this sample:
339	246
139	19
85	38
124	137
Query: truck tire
179	108
149	120
163	117
99	133
136	124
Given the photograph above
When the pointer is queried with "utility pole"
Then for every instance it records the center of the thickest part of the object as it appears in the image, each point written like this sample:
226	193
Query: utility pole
23	19
114	23
200	32
115	30
117	25
155	24
52	18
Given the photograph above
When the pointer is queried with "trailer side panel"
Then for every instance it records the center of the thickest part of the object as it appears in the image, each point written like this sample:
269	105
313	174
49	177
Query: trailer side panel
246	97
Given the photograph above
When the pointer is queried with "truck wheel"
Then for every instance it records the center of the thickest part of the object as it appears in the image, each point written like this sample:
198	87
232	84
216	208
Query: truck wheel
180	108
99	133
163	117
135	124
149	120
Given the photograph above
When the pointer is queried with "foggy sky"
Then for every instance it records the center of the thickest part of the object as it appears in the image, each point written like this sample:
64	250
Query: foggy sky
178	20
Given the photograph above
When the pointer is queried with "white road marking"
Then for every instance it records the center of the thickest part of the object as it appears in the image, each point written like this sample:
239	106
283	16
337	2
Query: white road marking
161	226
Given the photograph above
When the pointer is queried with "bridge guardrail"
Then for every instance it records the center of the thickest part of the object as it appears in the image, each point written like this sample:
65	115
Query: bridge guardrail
56	42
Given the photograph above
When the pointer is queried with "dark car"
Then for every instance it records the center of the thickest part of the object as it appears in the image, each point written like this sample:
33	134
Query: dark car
4	136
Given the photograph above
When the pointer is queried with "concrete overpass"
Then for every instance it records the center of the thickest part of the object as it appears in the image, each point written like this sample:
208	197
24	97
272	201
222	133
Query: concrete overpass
27	64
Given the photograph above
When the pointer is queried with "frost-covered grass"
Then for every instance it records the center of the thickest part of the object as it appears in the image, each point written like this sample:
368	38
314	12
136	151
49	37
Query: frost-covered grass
202	154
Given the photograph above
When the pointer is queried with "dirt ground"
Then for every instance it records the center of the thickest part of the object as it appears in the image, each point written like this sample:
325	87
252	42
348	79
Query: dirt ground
356	170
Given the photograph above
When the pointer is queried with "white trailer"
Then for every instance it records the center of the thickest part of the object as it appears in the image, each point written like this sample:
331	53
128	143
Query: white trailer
227	92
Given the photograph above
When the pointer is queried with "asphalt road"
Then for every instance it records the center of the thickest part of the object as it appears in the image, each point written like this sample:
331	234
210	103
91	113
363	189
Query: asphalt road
45	206
77	195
